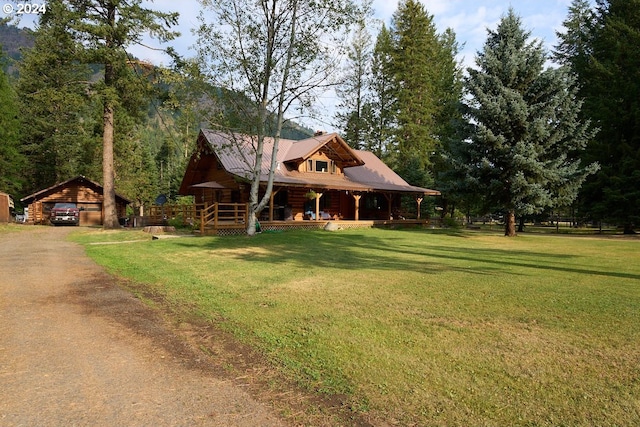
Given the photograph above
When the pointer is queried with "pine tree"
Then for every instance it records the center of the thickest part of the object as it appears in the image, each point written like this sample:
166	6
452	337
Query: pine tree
610	83
11	159
106	28
423	79
351	111
575	42
378	112
527	129
58	113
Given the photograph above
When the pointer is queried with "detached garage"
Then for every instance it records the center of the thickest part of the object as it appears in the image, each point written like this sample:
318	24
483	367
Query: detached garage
86	194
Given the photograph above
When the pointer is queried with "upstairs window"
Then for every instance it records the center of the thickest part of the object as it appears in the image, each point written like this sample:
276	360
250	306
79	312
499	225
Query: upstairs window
322	166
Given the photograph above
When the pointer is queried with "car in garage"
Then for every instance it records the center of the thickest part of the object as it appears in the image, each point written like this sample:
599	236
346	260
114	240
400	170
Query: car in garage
65	213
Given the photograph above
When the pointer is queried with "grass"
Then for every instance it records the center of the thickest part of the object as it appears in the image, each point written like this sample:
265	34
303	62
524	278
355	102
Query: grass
420	327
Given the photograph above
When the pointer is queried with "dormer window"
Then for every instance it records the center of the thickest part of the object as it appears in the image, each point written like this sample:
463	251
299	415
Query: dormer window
322	166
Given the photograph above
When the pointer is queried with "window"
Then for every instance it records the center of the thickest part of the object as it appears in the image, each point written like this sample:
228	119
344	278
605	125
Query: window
322	166
309	165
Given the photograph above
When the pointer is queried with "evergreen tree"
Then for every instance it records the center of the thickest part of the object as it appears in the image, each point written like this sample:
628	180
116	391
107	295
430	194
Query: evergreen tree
611	88
527	134
575	43
58	115
378	113
106	28
351	114
11	159
421	65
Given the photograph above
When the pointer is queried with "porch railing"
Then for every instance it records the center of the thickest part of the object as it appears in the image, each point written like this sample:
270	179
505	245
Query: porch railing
227	214
161	214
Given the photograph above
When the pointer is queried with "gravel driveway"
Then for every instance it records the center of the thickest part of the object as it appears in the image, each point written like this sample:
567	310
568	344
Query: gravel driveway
76	350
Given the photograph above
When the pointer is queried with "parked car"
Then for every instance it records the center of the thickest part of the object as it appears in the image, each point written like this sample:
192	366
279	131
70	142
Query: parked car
65	213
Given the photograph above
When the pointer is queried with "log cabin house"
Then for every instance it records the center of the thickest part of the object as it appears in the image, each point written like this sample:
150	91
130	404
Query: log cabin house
319	178
86	194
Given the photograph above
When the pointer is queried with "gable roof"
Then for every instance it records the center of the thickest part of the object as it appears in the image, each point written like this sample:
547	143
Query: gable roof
363	171
331	144
81	180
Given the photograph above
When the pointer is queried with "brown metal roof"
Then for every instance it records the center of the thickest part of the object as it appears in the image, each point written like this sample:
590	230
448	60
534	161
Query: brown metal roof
81	179
364	171
333	146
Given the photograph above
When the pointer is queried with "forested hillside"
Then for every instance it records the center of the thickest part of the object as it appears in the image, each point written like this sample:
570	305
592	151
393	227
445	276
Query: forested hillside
61	138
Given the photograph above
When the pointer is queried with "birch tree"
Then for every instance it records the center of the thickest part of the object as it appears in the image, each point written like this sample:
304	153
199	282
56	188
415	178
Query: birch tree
271	56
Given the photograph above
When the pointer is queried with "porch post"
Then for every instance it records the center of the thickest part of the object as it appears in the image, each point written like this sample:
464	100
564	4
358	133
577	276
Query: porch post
357	197
389	198
202	218
318	195
271	197
419	201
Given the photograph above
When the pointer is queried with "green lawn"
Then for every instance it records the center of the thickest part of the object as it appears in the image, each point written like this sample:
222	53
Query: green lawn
420	327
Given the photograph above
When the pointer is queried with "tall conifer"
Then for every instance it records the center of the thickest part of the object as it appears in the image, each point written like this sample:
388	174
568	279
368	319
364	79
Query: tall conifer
610	82
528	133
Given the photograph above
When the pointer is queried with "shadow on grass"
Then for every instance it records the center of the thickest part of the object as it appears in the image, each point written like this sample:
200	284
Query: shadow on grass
367	251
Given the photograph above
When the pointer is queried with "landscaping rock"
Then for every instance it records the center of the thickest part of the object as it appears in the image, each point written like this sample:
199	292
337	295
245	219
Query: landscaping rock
332	226
153	229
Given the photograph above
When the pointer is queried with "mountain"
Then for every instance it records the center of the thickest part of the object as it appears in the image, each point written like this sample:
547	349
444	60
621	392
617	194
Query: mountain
13	39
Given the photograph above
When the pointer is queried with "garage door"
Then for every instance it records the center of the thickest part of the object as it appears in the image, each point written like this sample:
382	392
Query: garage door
91	213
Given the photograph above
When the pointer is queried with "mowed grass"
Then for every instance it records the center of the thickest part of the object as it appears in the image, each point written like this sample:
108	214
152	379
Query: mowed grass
420	327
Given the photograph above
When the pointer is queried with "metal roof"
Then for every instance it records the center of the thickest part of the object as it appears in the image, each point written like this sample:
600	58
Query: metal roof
81	180
363	171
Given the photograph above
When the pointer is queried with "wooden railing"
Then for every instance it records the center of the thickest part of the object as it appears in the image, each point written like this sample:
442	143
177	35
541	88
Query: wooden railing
223	214
161	214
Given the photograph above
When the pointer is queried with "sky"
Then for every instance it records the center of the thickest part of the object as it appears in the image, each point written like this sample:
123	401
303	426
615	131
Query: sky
469	19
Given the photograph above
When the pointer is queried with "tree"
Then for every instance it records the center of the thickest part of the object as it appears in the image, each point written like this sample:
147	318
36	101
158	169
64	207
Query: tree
378	112
422	73
527	132
11	159
610	85
58	114
106	28
575	43
268	56
352	91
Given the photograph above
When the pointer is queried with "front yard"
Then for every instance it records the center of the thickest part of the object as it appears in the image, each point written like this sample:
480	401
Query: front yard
416	327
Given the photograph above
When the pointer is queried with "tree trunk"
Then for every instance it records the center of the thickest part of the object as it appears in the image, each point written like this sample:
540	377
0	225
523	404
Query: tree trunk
108	175
521	225
510	224
108	172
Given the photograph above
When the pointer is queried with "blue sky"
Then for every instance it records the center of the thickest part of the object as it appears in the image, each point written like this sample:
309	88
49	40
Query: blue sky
468	18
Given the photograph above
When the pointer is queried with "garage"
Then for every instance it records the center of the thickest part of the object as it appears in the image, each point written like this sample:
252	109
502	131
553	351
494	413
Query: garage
85	193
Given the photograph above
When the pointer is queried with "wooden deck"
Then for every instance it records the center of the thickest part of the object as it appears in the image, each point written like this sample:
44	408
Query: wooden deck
231	218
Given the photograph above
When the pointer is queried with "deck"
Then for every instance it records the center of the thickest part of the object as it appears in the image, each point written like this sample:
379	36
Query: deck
230	219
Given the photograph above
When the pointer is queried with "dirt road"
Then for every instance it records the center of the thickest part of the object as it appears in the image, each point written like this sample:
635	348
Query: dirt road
76	350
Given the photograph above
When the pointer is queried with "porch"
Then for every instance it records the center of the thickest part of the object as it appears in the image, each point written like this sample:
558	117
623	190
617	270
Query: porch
231	219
